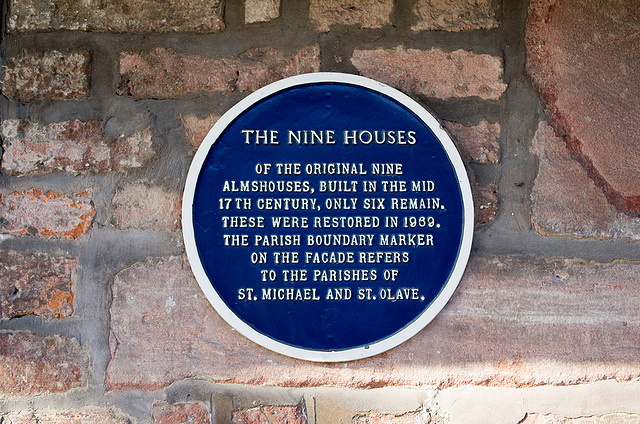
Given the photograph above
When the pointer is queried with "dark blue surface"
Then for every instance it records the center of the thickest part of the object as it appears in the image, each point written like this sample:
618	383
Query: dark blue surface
327	324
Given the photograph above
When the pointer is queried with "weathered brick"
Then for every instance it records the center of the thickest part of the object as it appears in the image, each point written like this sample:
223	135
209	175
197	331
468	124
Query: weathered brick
145	207
196	128
434	72
49	75
72	146
615	418
36	364
565	201
35	284
261	10
363	13
511	322
180	413
86	415
270	415
199	16
485	200
413	417
455	15
582	56
162	73
50	215
477	143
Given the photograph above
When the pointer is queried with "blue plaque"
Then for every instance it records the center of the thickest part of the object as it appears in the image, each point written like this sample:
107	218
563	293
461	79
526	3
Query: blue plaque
328	217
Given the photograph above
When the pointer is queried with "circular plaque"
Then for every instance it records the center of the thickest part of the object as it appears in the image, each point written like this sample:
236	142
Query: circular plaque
328	217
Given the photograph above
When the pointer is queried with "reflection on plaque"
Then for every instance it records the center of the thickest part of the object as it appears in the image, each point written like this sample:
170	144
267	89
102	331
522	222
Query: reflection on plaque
328	217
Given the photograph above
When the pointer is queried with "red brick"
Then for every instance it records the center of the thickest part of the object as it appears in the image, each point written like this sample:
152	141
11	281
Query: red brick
455	15
413	417
270	415
582	57
86	415
485	200
363	13
196	128
615	418
36	364
511	322
200	16
162	73
261	10
72	146
565	201
477	143
180	413
49	75
454	74
50	215
35	284
145	207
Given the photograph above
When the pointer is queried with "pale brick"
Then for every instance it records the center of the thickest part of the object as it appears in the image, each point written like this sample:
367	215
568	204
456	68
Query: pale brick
511	322
196	128
565	201
477	143
145	207
35	284
180	413
49	75
261	10
614	418
270	415
86	415
413	417
199	16
458	15
36	364
434	72
50	215
582	57
71	146
363	13
162	73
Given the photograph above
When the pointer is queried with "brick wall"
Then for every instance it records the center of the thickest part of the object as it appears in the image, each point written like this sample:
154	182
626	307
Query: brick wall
104	104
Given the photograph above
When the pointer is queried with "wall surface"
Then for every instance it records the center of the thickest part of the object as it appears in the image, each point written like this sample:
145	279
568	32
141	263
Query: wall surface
104	104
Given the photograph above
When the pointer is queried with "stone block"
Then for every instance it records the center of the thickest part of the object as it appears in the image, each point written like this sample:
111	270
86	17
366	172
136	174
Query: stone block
261	10
435	72
362	13
270	415
34	76
614	418
85	415
35	284
510	322
71	146
565	201
582	57
198	16
162	73
50	215
181	413
449	15
33	364
196	128
477	143
145	207
412	417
